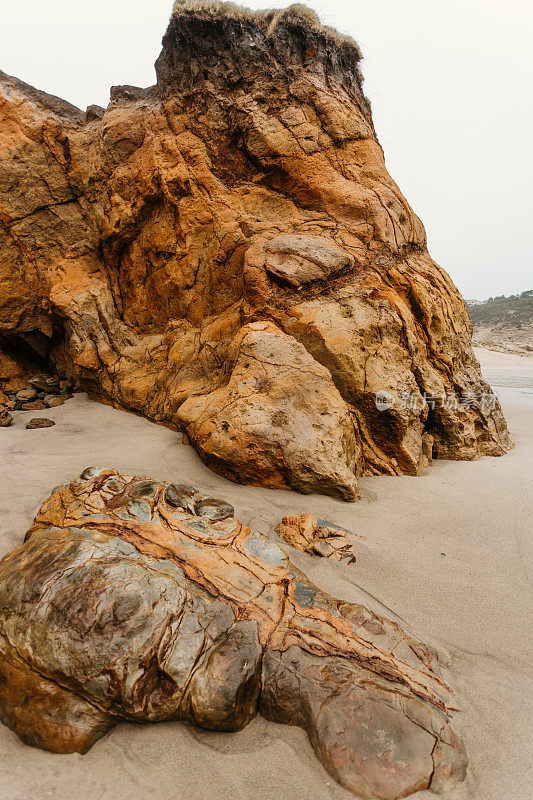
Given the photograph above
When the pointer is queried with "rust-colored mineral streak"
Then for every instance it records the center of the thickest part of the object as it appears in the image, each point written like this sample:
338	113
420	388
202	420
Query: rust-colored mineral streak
225	252
144	601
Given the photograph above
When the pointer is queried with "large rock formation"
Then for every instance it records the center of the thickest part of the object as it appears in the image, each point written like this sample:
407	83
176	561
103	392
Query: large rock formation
144	601
225	252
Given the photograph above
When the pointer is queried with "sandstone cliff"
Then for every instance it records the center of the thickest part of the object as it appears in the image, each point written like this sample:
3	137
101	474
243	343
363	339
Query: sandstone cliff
226	253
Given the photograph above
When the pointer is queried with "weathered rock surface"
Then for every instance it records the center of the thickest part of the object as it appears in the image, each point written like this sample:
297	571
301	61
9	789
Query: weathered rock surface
13	374
225	252
319	537
144	601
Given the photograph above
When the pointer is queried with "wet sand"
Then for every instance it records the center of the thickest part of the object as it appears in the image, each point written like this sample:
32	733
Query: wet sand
447	554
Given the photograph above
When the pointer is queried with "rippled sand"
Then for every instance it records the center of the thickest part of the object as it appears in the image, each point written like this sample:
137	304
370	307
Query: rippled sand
446	554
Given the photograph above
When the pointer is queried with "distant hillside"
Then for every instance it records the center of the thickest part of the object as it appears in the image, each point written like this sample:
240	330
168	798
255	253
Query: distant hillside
504	323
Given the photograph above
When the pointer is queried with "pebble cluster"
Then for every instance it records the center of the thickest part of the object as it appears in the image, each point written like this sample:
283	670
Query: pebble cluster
42	392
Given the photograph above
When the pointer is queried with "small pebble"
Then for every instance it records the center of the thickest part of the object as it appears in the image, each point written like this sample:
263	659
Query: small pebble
52	400
27	394
40	422
35	405
5	419
39	384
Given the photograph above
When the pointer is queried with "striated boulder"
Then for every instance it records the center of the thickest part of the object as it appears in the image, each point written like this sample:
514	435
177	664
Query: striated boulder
225	252
144	601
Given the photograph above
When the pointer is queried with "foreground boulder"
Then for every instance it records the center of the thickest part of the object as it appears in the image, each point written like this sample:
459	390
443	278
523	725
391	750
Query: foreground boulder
225	252
144	601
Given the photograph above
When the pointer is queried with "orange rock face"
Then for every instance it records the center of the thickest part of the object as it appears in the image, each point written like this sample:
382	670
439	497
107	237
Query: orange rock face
226	253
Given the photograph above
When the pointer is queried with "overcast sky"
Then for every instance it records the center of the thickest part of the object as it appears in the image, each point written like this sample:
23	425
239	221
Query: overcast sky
450	85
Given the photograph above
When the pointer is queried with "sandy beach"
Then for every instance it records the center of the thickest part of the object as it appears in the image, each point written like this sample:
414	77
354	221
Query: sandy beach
446	554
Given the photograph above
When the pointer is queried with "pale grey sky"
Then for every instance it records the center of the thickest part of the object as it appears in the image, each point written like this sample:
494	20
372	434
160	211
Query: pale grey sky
450	84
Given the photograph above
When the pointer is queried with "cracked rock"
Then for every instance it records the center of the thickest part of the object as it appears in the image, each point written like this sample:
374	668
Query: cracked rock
124	603
142	245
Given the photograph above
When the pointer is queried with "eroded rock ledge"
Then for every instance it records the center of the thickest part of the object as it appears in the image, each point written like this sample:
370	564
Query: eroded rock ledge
143	601
226	253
